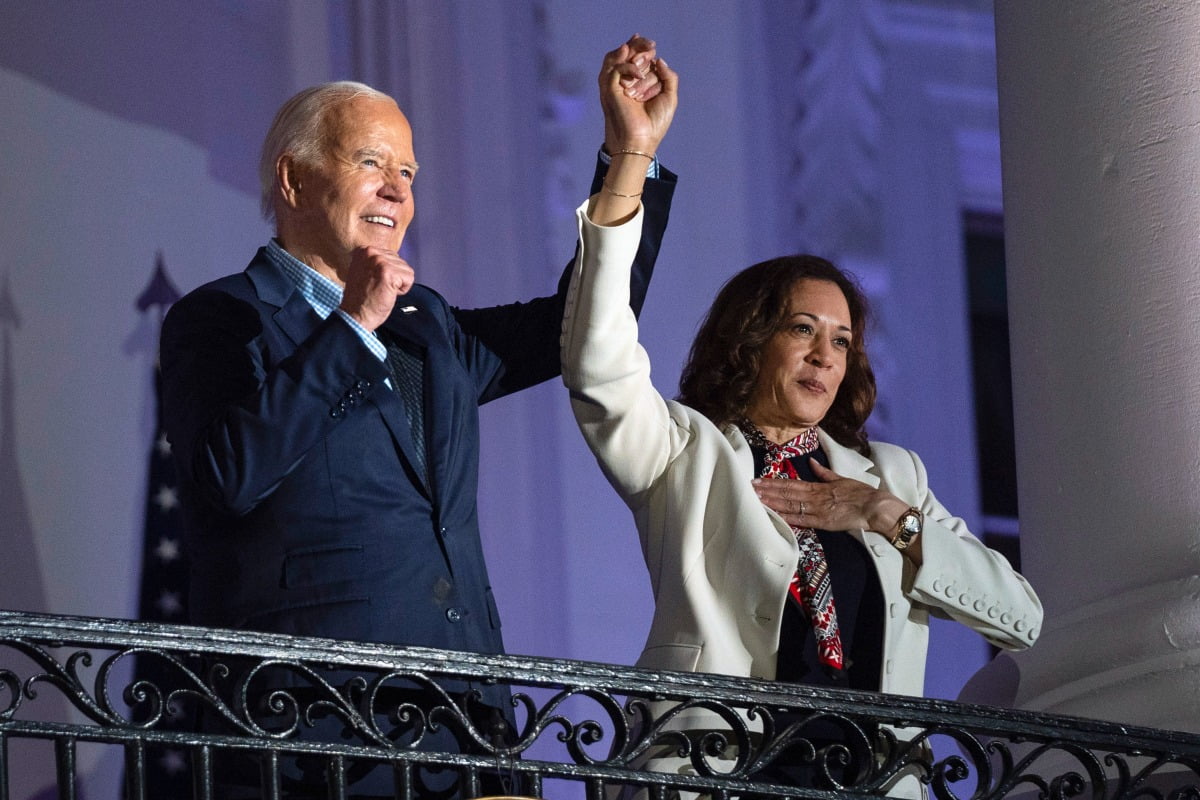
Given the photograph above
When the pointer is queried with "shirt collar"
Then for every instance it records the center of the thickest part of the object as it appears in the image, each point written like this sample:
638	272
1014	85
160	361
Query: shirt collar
321	293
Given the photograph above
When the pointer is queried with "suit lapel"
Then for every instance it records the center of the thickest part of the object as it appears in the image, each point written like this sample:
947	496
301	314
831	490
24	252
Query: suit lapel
296	319
293	315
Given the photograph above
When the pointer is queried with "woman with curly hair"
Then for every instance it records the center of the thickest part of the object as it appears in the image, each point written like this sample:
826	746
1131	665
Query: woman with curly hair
781	543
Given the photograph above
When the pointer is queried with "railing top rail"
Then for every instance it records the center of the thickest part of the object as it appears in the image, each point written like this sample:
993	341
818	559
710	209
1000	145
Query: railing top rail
75	631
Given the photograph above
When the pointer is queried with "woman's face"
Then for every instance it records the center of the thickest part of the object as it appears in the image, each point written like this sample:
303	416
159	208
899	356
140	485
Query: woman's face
803	363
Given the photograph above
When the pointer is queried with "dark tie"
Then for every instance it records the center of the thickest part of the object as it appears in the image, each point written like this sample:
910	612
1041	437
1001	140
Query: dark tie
407	380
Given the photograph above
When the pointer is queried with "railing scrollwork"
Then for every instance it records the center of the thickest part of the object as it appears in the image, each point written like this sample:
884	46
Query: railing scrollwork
572	723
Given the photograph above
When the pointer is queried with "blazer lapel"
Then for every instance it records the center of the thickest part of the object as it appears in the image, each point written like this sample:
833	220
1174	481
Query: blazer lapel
848	463
745	459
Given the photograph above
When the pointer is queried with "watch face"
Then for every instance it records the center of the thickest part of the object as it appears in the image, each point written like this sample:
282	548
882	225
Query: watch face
910	524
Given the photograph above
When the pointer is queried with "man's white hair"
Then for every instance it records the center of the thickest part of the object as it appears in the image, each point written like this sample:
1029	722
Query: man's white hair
299	130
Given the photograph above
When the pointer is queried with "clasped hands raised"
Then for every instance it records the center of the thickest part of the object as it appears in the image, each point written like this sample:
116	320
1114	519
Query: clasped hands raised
638	94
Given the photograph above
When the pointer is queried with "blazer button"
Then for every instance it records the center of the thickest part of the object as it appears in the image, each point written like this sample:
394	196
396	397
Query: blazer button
1019	625
979	604
453	614
1005	618
963	599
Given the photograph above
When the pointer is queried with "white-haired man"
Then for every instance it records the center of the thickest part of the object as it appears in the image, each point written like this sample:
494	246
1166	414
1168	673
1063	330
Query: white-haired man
322	405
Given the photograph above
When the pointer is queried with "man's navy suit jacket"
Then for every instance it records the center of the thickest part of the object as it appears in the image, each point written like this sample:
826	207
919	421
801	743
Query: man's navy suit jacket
304	513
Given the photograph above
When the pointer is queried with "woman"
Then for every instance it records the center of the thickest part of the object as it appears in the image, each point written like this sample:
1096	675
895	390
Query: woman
829	579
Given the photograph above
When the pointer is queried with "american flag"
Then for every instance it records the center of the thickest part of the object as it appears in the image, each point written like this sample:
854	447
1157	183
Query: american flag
164	583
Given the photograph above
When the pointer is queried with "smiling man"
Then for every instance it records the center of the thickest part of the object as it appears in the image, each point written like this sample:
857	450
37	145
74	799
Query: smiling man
322	405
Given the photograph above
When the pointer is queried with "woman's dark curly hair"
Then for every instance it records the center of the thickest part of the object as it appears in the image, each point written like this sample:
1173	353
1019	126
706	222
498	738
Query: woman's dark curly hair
722	368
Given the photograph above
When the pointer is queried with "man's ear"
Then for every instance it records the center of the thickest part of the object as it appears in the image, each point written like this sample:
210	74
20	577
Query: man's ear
288	180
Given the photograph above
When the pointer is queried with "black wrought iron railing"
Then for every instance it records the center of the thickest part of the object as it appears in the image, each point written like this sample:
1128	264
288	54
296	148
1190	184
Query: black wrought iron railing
581	728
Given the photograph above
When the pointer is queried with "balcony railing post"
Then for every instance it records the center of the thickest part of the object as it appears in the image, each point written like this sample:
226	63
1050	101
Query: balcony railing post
202	776
403	775
135	771
337	778
270	775
64	760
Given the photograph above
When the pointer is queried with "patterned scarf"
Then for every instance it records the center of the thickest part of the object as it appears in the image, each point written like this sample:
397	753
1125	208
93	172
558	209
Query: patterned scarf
811	587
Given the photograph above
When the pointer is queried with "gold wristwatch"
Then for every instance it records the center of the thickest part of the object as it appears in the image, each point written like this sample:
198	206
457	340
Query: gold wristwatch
908	528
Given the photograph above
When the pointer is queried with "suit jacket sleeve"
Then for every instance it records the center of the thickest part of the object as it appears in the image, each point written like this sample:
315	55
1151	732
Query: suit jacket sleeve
508	348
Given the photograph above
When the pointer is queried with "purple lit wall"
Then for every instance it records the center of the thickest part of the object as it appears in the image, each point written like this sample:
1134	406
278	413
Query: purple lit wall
858	129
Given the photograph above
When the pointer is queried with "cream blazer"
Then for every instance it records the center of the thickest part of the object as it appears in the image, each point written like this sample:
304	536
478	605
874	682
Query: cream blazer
719	560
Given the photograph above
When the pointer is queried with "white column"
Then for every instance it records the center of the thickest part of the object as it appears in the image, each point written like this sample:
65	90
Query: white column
1100	138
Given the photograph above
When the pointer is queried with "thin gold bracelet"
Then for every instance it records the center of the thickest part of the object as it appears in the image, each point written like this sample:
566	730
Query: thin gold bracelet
635	153
618	194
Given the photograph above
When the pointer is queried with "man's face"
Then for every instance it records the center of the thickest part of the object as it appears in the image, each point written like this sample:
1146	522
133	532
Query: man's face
360	192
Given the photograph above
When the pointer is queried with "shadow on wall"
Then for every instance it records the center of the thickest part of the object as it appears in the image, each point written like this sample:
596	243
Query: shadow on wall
199	70
21	586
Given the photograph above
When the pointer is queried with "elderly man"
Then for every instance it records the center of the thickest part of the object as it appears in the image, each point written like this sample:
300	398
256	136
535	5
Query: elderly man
322	405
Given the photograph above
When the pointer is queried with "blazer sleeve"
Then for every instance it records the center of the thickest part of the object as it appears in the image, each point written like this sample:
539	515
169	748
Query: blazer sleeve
959	577
510	347
625	421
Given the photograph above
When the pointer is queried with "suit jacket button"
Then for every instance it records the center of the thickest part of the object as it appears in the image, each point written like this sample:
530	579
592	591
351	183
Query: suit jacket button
454	615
